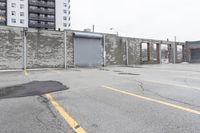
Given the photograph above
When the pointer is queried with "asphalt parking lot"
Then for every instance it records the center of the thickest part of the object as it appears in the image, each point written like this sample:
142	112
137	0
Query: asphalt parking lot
140	99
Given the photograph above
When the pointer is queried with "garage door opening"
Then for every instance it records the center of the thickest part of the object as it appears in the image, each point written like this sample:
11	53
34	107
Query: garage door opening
195	55
88	50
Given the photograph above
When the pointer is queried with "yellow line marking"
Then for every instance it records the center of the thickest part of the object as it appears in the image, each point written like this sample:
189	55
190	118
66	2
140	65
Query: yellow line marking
155	100
73	124
25	73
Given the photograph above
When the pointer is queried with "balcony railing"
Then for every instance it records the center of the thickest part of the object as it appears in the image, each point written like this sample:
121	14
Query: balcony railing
46	19
39	25
3	7
41	11
42	4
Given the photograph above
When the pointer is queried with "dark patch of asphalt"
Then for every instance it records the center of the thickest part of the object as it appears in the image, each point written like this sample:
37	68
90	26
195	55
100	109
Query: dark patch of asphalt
34	88
128	74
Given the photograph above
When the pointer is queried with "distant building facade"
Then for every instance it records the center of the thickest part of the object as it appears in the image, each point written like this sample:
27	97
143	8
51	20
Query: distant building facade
42	14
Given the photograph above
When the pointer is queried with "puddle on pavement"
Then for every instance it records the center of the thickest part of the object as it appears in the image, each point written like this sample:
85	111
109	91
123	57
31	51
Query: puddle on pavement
129	74
35	88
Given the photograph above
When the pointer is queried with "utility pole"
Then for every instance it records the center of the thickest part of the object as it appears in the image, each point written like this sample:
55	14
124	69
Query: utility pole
65	47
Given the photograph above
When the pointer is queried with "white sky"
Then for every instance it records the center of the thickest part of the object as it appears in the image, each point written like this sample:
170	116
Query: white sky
156	19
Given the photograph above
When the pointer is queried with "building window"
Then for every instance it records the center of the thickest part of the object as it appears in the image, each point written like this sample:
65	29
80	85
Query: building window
21	21
65	24
65	18
13	20
21	6
13	13
13	4
65	4
65	11
21	14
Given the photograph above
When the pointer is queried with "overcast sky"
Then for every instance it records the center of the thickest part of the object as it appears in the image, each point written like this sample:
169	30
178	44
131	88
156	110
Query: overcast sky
156	19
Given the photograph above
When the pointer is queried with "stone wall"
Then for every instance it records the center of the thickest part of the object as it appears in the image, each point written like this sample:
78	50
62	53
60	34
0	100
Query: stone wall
45	49
11	48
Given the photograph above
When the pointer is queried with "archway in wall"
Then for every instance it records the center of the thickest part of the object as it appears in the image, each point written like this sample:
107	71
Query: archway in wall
155	59
144	57
165	54
179	53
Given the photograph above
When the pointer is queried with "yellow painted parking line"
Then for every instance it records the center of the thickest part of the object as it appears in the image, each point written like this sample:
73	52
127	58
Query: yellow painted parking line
155	100
73	124
25	73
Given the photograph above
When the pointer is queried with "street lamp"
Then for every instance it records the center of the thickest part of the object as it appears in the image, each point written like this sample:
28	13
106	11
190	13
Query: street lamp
113	29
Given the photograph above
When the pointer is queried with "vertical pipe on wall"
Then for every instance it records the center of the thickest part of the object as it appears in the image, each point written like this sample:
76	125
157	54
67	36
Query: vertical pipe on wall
104	50
160	53
148	53
175	50
24	48
127	61
141	53
65	47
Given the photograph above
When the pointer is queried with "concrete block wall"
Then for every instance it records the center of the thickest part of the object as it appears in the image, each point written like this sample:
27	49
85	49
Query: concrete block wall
70	49
115	50
133	50
45	49
11	48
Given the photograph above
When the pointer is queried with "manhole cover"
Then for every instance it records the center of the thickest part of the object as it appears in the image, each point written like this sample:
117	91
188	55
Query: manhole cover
35	88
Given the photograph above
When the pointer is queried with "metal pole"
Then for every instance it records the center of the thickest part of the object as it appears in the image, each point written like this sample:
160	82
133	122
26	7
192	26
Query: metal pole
175	50
160	54
93	28
127	62
65	47
104	50
24	49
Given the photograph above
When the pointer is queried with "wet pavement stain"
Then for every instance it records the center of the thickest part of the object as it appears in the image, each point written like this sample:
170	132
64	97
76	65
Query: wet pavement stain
129	74
35	88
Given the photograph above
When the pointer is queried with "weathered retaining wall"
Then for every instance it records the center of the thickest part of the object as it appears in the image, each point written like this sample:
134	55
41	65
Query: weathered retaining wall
115	50
11	43
45	49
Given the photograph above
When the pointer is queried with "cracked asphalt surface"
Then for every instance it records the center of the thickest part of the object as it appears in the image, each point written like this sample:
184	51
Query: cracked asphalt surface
99	110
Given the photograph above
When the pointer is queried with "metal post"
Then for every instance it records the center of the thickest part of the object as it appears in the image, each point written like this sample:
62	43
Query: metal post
127	61
175	50
65	47
24	49
93	28
160	53
104	50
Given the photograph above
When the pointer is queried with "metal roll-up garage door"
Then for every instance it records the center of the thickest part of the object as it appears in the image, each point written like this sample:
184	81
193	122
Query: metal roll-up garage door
195	55
88	50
